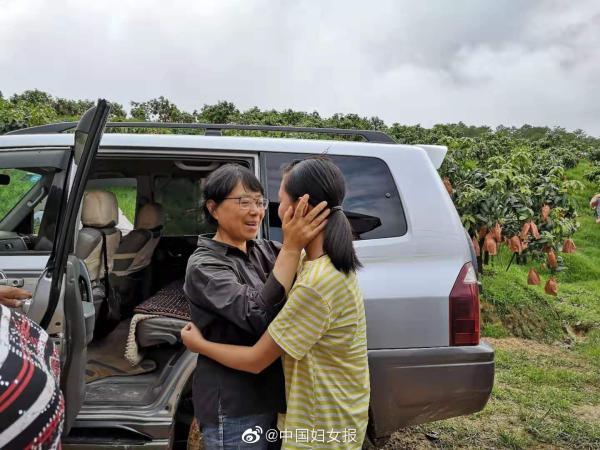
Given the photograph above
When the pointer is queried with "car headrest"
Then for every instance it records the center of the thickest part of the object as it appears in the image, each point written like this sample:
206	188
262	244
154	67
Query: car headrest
99	209
150	216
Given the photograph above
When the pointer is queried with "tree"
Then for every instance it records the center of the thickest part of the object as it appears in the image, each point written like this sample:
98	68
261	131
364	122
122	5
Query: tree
32	97
222	112
116	111
71	108
159	110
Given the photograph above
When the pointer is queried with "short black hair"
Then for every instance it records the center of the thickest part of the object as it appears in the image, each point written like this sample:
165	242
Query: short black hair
222	181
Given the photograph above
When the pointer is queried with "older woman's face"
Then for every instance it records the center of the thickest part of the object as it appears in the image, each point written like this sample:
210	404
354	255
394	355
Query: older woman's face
239	223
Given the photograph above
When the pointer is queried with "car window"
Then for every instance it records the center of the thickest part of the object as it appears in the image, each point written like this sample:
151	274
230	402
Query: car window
372	202
125	190
20	182
29	205
181	198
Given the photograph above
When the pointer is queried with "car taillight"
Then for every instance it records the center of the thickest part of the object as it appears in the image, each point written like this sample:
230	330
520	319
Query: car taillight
464	308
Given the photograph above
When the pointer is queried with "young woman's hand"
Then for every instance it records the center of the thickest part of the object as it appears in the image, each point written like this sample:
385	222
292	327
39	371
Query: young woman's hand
192	337
13	296
299	227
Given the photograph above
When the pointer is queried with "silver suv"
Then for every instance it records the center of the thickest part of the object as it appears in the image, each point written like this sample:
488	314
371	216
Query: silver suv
419	283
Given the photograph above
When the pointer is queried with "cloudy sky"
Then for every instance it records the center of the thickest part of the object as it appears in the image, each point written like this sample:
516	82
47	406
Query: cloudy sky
431	61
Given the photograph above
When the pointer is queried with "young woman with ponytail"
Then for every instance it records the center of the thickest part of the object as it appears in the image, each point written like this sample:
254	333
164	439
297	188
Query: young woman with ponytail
321	330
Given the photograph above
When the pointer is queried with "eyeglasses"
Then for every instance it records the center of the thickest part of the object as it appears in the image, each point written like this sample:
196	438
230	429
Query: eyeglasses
246	202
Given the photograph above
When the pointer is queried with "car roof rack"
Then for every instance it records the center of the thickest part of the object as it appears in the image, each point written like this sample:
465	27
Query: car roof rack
215	129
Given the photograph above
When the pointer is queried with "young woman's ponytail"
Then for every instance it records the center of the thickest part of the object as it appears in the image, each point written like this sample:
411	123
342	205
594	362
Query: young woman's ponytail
322	180
338	242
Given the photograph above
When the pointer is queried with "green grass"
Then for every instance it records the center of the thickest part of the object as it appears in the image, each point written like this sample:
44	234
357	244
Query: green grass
590	348
512	305
494	330
126	198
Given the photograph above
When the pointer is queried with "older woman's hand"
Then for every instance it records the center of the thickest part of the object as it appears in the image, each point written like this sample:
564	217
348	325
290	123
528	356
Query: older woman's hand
301	227
13	296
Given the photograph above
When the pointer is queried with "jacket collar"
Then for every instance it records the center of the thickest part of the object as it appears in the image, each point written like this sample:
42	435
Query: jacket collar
222	248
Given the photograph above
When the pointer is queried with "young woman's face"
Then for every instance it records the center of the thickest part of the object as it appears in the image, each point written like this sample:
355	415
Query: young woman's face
238	223
285	201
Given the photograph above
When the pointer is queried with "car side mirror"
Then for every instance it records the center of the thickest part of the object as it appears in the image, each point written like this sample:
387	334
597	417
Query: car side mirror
4	179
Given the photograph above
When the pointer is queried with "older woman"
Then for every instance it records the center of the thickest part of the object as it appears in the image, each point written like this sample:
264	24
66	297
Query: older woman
236	285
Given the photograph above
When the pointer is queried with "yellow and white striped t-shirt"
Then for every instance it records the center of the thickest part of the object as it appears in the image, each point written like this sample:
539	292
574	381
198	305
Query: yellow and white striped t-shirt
322	330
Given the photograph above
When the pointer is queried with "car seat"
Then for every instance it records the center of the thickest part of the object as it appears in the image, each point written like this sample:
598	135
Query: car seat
130	278
97	242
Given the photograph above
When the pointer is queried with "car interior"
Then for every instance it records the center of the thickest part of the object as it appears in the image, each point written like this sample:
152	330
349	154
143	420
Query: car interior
137	271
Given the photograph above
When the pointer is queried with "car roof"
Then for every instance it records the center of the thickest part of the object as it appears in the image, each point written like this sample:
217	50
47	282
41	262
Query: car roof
232	143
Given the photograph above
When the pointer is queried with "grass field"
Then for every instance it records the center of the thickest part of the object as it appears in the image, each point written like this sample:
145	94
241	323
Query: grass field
126	200
547	387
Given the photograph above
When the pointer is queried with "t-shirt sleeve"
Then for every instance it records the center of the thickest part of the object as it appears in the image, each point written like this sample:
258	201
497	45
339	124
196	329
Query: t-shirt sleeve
302	321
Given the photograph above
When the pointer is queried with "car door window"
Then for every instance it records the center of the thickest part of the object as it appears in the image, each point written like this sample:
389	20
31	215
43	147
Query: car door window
19	183
372	202
30	199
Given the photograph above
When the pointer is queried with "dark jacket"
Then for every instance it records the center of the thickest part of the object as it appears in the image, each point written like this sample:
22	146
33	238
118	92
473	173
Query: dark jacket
233	297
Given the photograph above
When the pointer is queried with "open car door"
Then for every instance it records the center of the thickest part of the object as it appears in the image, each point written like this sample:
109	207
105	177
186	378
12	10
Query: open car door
62	299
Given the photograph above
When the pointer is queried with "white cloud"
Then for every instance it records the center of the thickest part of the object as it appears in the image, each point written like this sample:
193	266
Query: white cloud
507	61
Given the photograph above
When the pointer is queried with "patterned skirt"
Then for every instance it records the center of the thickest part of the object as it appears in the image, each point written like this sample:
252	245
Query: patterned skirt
31	404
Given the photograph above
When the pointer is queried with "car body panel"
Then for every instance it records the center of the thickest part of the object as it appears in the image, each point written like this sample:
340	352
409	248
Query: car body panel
413	386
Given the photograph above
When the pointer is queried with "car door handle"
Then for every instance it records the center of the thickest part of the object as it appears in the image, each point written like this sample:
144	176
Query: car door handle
35	201
14	282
